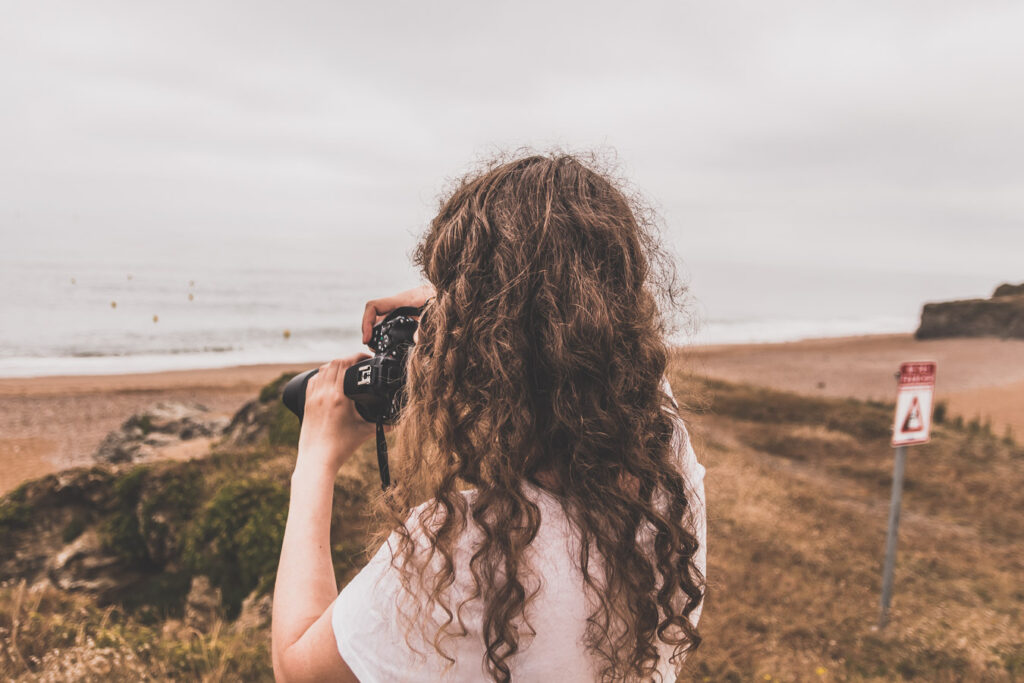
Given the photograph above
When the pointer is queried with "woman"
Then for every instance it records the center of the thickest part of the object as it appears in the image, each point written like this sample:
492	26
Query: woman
562	532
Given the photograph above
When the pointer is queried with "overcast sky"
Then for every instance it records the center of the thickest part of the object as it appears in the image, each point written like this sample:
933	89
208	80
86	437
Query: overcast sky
859	136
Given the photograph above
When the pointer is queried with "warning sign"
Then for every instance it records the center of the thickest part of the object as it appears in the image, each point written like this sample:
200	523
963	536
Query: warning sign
914	403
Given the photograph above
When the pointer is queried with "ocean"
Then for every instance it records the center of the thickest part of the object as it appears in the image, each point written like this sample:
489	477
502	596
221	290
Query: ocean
86	316
63	318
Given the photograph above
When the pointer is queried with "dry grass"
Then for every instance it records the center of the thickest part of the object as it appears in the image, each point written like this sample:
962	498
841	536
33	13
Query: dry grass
47	635
798	496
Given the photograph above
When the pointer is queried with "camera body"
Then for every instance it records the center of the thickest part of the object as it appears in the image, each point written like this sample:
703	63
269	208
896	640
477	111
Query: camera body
376	385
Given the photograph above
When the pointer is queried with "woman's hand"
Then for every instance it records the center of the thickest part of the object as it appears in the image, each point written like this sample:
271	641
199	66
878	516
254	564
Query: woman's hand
331	428
378	308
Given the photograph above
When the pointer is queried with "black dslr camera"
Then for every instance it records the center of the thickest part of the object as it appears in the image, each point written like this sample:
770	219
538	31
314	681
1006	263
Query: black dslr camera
376	385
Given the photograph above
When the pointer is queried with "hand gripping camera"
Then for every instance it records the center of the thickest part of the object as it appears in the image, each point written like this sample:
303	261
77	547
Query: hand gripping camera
376	385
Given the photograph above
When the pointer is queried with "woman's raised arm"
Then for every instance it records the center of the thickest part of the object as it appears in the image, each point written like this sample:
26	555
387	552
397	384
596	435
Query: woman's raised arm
303	645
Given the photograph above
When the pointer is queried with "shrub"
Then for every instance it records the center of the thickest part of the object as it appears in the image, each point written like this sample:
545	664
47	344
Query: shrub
168	500
120	531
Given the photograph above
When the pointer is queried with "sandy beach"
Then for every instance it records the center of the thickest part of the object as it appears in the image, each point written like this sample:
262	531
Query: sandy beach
51	423
981	377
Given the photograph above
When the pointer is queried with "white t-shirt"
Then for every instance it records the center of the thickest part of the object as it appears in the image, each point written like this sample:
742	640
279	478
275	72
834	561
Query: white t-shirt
373	642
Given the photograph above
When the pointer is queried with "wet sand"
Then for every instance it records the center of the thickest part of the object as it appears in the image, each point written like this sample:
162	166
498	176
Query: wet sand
50	423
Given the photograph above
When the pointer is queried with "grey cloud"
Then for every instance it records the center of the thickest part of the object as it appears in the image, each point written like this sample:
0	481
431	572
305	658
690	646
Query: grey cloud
766	132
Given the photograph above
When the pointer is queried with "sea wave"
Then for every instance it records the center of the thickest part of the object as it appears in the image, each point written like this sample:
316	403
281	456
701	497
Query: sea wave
151	352
769	330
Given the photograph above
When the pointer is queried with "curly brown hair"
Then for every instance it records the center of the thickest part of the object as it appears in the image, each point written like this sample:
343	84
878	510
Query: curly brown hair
540	360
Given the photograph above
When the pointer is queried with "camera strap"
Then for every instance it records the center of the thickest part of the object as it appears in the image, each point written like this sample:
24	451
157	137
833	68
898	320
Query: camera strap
382	443
382	457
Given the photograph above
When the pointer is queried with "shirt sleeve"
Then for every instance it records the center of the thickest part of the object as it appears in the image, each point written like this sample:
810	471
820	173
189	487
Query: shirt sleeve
693	474
364	618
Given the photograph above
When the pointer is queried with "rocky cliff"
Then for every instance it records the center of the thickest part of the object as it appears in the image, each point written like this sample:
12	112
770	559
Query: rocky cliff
1000	316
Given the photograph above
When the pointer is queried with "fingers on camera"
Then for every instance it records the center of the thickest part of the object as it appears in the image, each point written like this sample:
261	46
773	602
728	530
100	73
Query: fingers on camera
330	373
370	314
318	377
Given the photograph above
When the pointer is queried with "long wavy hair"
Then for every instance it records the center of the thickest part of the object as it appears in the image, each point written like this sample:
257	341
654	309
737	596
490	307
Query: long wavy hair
540	360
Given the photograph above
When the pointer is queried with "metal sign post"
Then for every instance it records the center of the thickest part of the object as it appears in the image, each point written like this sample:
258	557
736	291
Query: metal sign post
912	426
890	539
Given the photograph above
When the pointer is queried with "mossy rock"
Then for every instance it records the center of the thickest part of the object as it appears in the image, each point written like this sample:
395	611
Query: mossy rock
274	390
264	421
236	538
15	513
152	506
282	424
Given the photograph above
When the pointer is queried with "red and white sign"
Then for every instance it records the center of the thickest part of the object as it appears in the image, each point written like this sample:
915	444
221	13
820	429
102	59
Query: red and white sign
914	403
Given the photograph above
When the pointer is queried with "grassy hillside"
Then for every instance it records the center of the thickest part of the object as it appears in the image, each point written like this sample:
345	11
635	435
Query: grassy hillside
798	492
141	534
798	498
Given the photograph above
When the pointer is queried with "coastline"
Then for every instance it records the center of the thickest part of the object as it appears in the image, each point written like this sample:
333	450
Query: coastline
54	422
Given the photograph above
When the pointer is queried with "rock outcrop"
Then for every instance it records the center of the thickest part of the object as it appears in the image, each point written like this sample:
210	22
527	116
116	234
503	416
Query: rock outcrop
255	613
1001	316
42	520
249	424
84	565
202	605
145	435
263	419
1008	290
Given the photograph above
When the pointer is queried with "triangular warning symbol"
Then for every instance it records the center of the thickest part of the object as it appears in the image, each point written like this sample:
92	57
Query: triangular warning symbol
914	421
